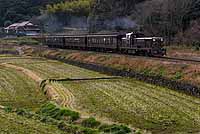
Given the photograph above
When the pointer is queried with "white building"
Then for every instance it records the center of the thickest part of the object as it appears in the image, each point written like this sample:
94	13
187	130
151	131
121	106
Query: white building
24	28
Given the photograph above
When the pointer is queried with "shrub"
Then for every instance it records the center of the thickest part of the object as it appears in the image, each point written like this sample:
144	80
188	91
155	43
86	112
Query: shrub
117	129
54	111
21	111
161	72
196	45
27	41
177	76
138	132
90	122
76	129
8	109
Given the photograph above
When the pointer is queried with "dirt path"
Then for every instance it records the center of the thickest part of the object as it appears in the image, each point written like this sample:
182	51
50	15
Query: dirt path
54	91
2	107
27	72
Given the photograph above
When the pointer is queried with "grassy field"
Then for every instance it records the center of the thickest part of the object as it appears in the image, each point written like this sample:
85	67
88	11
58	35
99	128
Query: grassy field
14	124
53	69
139	104
17	90
120	100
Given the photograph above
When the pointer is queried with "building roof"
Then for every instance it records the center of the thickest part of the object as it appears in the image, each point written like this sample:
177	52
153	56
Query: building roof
13	26
25	23
17	25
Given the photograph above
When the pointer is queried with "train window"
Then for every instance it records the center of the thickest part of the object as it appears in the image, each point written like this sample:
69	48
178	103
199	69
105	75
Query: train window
148	43
114	41
111	41
108	40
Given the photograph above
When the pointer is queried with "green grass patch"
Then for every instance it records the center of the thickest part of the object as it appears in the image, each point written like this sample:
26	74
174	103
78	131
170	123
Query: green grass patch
116	129
87	126
91	123
20	41
177	76
11	123
54	111
53	69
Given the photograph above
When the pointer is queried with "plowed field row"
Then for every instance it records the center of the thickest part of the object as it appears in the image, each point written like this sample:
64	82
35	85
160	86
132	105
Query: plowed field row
139	104
18	90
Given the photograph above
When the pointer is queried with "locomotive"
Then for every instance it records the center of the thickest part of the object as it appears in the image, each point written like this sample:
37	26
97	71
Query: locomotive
130	43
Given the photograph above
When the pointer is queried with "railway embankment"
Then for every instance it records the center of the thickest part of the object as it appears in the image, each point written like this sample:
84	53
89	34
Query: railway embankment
178	75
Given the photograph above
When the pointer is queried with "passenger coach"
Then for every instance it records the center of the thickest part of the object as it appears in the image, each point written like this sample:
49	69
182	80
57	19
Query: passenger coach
104	42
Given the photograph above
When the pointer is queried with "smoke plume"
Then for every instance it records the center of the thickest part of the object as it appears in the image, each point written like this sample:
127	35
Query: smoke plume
120	22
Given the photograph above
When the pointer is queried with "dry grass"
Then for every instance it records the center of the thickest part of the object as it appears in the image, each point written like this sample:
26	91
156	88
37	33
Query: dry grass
181	71
138	104
178	51
18	90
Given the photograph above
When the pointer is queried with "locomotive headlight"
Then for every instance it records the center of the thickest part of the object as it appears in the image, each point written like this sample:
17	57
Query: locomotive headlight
154	40
161	40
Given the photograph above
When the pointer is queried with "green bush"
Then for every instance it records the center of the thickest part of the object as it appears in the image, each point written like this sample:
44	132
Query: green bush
177	76
74	129
116	129
196	45
21	112
138	132
77	7
90	122
8	109
54	111
24	112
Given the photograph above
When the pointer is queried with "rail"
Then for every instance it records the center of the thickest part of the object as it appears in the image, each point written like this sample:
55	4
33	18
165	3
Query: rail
179	59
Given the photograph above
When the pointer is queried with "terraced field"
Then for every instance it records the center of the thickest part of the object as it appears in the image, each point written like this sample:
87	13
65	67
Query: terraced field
19	91
14	124
121	100
53	69
139	104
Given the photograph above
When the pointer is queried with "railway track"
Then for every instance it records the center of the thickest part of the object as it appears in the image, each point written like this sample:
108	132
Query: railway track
180	59
195	60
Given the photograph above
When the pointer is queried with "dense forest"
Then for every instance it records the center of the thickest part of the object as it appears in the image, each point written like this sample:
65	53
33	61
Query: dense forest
175	19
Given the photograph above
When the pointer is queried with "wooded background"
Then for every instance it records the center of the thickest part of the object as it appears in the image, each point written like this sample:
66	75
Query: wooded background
176	20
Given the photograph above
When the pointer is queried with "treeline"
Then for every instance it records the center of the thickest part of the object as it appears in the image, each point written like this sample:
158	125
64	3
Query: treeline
78	8
177	20
18	10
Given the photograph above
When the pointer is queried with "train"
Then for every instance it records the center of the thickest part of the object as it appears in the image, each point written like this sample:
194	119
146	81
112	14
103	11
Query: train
128	43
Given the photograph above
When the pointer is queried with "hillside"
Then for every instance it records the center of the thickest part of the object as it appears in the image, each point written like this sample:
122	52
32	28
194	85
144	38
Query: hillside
177	20
16	10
